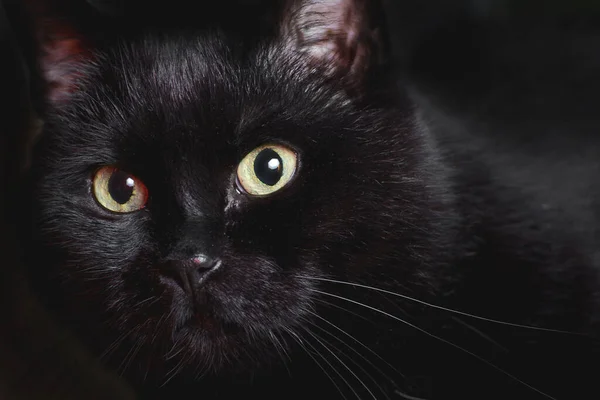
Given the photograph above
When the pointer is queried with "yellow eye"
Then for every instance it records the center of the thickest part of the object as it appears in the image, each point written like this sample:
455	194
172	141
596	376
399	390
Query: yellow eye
119	191
267	169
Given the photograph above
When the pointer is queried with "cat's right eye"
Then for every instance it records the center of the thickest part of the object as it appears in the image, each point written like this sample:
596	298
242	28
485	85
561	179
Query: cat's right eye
118	191
266	169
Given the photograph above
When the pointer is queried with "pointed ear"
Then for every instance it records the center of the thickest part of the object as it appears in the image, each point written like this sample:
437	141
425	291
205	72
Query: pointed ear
342	36
61	50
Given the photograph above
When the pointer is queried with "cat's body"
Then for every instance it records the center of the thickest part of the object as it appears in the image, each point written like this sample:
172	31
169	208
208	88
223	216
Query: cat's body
389	192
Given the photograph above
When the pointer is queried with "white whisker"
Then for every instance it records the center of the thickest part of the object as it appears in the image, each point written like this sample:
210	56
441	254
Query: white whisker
155	298
436	337
363	346
350	358
114	345
444	308
280	349
174	371
407	396
327	303
478	332
340	361
130	355
303	346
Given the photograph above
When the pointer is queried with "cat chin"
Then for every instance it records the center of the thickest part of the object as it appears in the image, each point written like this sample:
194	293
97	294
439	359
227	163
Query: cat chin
203	343
227	323
197	349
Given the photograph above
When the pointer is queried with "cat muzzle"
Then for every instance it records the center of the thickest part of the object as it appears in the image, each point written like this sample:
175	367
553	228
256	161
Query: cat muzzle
190	273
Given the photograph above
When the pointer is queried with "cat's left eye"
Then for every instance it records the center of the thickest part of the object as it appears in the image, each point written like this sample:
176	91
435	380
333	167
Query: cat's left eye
267	169
119	191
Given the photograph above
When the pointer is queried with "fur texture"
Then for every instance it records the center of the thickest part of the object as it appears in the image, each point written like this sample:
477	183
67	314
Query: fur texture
383	197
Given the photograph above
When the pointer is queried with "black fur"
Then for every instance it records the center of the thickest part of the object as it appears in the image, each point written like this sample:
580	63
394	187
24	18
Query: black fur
388	195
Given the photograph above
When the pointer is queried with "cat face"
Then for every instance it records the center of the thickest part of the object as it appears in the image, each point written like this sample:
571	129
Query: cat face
188	195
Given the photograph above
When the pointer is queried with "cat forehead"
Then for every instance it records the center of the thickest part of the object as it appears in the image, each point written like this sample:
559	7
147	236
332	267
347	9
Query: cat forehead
175	66
173	74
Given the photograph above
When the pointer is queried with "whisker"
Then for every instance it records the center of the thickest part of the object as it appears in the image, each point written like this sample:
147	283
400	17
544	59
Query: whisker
174	371
114	345
350	358
444	308
438	338
130	355
150	355
331	365
155	298
118	341
200	371
160	321
281	351
394	303
362	345
98	270
407	396
281	342
344	309
174	351
303	347
478	332
153	342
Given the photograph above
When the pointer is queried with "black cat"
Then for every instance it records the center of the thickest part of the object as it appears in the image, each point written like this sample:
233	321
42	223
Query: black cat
260	210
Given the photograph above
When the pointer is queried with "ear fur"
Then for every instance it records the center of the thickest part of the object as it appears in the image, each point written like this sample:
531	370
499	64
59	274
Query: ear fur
342	36
61	48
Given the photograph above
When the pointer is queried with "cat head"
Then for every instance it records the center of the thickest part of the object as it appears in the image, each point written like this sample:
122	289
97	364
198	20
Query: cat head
191	192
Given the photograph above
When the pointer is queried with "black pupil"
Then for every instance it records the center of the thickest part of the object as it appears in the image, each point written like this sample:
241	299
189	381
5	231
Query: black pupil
120	186
268	167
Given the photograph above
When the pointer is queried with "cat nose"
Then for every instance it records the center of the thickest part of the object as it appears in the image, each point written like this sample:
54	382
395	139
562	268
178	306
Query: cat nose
190	272
202	261
200	264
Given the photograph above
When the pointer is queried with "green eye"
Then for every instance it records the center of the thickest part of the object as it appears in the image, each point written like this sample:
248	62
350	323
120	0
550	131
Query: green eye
267	169
118	191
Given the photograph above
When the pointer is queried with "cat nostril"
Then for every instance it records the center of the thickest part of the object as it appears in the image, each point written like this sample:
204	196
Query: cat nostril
199	259
203	262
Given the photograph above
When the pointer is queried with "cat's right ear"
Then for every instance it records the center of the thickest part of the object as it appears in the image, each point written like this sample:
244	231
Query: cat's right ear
343	37
60	49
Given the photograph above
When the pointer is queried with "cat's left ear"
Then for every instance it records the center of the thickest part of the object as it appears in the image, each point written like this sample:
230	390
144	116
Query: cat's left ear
61	50
344	37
